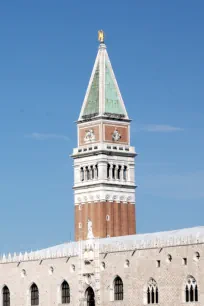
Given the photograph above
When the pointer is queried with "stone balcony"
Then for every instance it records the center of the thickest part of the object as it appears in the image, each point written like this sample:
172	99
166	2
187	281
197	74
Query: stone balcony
109	147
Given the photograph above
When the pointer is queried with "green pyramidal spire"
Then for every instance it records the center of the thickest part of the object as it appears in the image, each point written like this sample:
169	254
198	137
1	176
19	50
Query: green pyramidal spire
112	99
92	103
103	97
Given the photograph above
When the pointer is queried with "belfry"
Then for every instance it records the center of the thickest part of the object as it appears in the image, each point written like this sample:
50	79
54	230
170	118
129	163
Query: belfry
104	161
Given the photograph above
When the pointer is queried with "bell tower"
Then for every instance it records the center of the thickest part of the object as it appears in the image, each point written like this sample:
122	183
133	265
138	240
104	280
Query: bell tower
104	161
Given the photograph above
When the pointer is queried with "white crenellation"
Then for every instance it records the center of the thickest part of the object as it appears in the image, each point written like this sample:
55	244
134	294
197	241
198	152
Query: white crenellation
107	245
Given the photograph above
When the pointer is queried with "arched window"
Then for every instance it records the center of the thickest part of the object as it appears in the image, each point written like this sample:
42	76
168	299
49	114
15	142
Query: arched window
96	169
92	172
148	296
34	295
90	297
157	296
108	170
6	296
191	290
118	289
125	173
113	171
82	173
119	171
87	173
65	293
152	292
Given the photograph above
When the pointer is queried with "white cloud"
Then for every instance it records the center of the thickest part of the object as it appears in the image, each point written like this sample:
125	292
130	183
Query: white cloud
160	128
41	136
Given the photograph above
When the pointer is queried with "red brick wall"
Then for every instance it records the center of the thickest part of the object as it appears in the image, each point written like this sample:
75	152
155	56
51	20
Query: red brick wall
122	219
131	219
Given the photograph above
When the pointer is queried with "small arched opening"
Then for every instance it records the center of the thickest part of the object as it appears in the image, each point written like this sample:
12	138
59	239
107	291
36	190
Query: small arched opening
65	293
6	296
191	290
90	297
152	292
34	294
118	289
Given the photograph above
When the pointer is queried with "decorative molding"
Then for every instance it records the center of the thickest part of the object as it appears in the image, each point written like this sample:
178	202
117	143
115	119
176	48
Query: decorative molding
107	197
117	196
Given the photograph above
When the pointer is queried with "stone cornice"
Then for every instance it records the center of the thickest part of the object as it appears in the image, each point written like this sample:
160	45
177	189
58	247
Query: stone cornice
101	118
93	183
105	152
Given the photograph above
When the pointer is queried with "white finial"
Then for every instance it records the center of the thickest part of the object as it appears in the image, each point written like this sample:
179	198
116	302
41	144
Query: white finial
90	230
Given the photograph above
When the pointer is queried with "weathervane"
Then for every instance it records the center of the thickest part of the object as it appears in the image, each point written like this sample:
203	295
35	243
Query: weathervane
101	36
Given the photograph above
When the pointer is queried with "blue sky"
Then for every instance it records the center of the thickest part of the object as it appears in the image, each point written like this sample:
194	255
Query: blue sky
46	56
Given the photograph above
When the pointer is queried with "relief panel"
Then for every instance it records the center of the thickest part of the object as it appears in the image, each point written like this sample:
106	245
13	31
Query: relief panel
89	134
116	133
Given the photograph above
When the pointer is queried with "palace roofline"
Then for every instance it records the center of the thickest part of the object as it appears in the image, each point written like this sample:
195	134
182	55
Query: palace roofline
186	236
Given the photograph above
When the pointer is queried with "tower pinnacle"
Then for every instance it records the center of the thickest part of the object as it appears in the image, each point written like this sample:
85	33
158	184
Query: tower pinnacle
103	97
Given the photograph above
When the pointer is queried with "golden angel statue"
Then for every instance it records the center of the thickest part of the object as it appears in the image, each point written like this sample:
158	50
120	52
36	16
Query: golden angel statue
101	36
